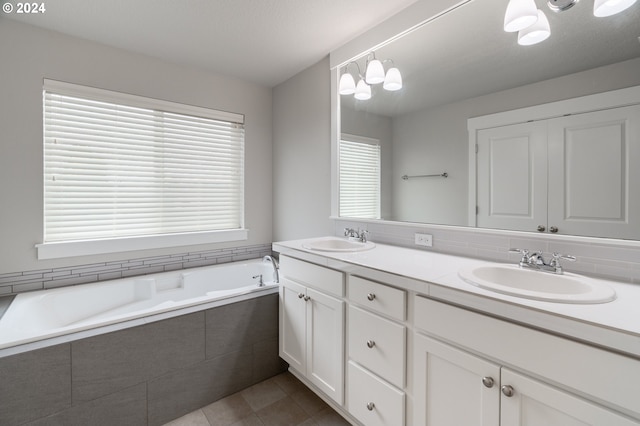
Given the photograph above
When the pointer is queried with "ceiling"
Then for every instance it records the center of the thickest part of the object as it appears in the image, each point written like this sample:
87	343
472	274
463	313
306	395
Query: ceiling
261	41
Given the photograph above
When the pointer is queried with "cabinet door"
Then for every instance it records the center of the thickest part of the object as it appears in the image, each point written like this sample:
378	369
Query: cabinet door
325	343
453	387
293	324
534	403
593	185
512	177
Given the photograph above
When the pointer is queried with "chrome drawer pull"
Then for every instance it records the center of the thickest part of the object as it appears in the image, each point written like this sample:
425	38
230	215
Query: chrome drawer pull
306	298
371	296
508	391
300	295
371	343
488	381
370	406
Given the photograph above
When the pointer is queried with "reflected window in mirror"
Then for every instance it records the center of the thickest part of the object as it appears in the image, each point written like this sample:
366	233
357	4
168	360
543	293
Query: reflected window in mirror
359	168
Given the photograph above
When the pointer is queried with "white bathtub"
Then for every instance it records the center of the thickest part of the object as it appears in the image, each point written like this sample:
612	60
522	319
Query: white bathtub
45	314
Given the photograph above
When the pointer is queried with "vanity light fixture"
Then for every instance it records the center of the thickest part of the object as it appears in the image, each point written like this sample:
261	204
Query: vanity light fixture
532	24
374	74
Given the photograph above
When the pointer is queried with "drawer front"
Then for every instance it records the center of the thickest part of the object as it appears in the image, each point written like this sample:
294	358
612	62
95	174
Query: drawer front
378	344
378	297
372	401
319	277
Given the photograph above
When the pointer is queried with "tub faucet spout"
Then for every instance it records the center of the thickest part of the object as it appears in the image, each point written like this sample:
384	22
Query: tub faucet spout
274	263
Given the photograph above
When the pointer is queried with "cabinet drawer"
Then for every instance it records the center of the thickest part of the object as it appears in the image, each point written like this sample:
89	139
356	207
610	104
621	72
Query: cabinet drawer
378	297
372	401
378	344
319	277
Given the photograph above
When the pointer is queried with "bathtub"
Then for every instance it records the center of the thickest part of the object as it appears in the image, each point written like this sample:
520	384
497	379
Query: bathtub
90	309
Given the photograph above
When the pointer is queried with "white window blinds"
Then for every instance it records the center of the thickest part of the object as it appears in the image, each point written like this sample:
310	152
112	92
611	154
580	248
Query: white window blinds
117	165
359	163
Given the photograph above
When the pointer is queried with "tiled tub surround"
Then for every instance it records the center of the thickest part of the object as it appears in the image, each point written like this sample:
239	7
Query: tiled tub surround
18	282
145	375
44	315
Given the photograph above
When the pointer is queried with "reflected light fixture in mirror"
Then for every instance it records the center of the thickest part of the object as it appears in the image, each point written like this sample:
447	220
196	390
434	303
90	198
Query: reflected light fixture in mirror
602	8
374	74
535	33
520	14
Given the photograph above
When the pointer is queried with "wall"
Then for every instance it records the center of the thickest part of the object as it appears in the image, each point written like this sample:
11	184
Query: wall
30	54
146	375
302	155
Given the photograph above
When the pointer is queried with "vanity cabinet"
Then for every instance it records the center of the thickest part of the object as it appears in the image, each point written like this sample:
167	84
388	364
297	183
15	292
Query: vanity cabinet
568	174
491	372
312	324
377	341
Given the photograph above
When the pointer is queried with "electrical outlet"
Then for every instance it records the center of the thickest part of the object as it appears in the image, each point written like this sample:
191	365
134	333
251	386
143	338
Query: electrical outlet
425	240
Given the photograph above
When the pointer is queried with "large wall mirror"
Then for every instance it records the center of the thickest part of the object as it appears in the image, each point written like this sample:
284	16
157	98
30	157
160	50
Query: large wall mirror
464	65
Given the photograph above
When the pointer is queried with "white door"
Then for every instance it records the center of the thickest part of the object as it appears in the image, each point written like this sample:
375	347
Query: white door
325	343
453	387
533	403
593	189
512	177
293	325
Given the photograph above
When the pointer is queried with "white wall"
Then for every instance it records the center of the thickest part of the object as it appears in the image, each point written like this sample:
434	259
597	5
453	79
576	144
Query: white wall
302	155
29	54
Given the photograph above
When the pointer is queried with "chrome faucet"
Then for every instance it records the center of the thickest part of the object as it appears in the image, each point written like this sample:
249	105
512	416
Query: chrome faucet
276	267
360	235
535	260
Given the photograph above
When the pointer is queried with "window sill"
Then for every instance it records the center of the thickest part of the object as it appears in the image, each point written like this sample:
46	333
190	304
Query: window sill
64	249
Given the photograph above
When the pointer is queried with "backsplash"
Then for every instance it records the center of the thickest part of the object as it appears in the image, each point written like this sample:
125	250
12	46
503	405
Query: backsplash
618	262
18	282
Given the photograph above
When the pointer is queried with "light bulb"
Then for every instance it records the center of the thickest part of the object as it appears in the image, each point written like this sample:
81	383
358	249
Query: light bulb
393	80
520	14
535	33
602	8
375	72
347	84
363	91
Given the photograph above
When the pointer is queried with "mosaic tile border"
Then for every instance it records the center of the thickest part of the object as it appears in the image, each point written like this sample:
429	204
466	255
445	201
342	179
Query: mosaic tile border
19	282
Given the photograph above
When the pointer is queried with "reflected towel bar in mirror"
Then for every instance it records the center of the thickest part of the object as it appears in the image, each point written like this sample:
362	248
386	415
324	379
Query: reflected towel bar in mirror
444	175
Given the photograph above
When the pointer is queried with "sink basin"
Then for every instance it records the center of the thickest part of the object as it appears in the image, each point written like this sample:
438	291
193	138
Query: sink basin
531	284
338	245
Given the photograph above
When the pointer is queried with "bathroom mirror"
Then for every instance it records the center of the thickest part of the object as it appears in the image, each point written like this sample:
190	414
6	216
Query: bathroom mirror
463	65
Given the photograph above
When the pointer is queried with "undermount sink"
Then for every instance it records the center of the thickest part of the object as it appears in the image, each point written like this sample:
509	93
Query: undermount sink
538	285
338	245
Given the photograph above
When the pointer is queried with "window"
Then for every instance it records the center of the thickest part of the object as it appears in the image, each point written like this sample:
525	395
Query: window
122	166
359	163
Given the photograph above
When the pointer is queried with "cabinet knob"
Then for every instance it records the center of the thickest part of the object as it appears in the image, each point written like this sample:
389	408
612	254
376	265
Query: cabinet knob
541	228
488	381
370	406
371	343
507	391
371	296
553	229
306	298
300	295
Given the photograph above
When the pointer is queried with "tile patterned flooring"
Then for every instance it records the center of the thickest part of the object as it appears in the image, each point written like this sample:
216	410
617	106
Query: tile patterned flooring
279	401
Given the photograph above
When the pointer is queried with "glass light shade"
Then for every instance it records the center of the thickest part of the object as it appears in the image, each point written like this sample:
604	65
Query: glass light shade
375	72
347	84
536	33
393	80
363	91
602	8
520	14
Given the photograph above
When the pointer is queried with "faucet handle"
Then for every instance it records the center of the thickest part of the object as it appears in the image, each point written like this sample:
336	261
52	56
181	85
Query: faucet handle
523	252
558	256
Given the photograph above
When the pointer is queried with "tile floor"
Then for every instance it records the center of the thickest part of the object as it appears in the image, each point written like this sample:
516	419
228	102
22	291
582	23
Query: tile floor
279	401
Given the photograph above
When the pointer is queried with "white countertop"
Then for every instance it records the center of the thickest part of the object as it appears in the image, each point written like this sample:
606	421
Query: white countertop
614	325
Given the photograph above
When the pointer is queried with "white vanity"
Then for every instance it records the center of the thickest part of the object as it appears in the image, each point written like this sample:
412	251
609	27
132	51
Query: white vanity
393	336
